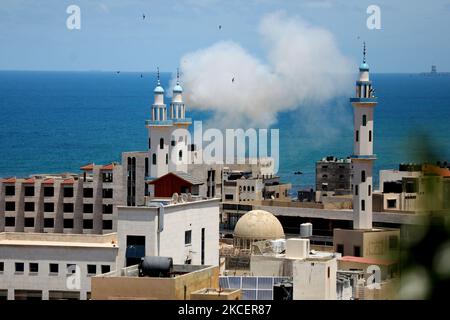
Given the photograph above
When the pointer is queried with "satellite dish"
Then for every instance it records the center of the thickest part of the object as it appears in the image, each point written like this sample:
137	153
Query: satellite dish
189	197
184	197
175	198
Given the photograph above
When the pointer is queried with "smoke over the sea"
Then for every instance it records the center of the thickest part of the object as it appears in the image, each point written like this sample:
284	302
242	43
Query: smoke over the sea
303	69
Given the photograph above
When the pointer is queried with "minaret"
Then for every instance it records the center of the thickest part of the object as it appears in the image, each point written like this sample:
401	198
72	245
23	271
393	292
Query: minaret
159	133
177	107
362	159
168	150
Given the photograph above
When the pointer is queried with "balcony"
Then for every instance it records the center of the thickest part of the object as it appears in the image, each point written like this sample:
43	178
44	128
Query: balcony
158	123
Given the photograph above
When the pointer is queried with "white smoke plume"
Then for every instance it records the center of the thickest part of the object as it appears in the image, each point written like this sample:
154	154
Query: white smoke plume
304	69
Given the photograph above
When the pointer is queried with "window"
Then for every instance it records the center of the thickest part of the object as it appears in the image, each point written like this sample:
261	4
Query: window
149	143
54	268
29	222
49	191
68	223
192	147
364	120
49	223
146	167
88	224
161	143
105	268
29	206
10	221
91	269
340	249
107	224
34	267
228	197
49	207
370	135
356	190
202	246
2	266
324	176
245	188
393	242
19	266
167	158
88	192
172	143
180	155
392	203
68	192
369	191
107	208
10	190
154	159
357	135
107	193
88	208
187	237
363	205
357	251
363	176
107	177
328	271
10	206
253	188
68	207
29	191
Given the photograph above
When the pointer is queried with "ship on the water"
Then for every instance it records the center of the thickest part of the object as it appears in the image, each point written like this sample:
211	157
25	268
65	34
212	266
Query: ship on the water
434	72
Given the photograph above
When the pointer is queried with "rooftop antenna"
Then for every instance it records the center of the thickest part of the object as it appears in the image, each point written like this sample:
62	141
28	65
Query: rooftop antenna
364	53
178	76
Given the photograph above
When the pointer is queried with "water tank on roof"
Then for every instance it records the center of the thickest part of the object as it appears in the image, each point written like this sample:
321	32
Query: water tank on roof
160	267
306	230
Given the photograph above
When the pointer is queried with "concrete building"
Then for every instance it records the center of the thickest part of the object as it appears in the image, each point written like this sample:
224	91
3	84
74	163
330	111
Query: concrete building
188	232
53	266
333	177
125	284
373	243
67	203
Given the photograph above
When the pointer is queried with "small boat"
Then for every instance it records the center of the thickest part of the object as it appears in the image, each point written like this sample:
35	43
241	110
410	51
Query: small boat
298	172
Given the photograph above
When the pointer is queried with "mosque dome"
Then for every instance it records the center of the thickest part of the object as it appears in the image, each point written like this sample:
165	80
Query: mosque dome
177	89
364	67
258	225
159	89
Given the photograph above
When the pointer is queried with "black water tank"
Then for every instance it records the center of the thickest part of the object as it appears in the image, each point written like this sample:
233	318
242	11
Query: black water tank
283	291
155	267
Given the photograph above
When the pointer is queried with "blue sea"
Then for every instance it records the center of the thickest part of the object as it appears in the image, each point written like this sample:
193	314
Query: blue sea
53	122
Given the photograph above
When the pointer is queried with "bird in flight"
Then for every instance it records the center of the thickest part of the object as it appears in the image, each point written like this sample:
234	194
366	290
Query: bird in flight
143	16
220	27
118	72
232	80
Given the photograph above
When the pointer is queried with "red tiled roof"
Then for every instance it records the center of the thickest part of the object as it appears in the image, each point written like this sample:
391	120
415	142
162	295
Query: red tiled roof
88	167
108	167
29	181
10	180
68	181
368	260
48	181
429	168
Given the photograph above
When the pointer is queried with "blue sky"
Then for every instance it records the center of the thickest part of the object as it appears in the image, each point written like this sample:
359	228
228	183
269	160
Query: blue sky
113	35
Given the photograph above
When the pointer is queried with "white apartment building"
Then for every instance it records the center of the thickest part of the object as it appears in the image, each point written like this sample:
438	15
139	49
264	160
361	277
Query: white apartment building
53	266
188	232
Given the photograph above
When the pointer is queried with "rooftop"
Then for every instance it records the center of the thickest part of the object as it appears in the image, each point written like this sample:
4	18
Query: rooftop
58	240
